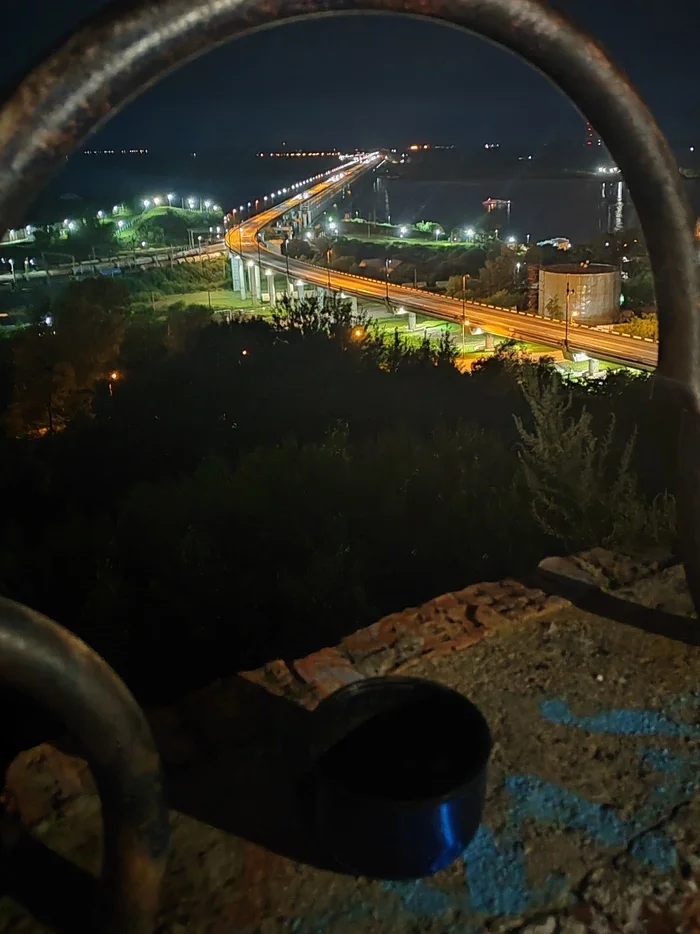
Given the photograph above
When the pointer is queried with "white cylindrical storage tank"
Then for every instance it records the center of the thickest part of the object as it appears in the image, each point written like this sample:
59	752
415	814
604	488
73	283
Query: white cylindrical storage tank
593	293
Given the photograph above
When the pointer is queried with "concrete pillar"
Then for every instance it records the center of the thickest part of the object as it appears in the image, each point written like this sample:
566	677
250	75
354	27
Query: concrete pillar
300	292
241	276
253	284
271	290
411	321
235	272
353	305
488	341
321	294
258	284
593	367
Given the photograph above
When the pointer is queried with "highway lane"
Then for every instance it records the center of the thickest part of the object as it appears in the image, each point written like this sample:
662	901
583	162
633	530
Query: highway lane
505	322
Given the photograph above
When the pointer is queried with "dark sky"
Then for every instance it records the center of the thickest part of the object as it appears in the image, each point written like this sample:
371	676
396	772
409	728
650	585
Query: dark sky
382	80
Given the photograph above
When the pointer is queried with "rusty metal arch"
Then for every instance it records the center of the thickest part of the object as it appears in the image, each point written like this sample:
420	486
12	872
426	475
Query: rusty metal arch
131	44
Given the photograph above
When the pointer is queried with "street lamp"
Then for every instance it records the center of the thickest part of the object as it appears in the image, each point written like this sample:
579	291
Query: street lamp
403	231
328	268
171	198
199	239
146	203
569	293
469	233
157	200
387	264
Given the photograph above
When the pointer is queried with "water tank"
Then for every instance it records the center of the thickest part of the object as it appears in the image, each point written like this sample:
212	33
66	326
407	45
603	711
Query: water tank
593	293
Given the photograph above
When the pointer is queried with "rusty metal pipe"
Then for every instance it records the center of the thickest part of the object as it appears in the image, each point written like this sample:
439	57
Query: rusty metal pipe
43	661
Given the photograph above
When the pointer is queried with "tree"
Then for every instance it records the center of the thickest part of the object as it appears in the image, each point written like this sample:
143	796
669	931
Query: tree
331	317
498	274
583	492
44	388
184	323
91	238
89	320
553	309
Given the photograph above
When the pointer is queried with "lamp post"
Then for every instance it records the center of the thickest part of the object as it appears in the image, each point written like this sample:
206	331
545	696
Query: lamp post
386	266
328	268
464	313
569	293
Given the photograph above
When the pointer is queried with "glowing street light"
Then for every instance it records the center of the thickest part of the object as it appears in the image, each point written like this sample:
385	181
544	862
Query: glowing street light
192	202
171	198
146	203
403	231
121	224
512	240
157	200
207	204
469	233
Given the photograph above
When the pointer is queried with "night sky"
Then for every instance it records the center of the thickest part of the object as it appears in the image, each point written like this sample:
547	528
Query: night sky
381	81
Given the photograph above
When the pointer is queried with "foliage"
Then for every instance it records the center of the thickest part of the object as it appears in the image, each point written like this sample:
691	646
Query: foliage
249	489
553	309
647	327
497	275
582	491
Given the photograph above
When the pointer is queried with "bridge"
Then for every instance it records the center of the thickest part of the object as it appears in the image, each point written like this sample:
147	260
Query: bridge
247	249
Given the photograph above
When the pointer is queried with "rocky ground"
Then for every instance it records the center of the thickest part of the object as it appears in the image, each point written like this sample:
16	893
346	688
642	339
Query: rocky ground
591	820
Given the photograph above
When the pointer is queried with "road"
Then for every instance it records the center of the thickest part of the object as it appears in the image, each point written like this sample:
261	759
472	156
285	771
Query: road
108	265
504	322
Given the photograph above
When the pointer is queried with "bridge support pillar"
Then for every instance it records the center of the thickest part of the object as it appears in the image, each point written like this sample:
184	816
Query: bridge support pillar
271	290
300	291
353	305
238	265
258	284
411	321
254	294
235	272
321	294
593	367
488	341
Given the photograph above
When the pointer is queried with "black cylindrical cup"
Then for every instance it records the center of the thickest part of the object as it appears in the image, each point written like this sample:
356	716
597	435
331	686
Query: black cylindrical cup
400	776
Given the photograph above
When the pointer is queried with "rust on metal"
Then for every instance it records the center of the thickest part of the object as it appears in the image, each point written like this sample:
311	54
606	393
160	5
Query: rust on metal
40	659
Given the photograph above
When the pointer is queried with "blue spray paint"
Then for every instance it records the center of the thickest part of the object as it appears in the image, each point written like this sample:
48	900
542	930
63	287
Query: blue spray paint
495	867
618	722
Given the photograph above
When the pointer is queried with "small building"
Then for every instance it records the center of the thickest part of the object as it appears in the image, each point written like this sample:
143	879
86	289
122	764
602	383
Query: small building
592	293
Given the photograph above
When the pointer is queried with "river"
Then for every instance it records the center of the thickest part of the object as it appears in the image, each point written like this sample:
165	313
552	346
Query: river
574	208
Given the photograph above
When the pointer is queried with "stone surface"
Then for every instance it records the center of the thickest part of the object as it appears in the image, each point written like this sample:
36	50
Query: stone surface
591	823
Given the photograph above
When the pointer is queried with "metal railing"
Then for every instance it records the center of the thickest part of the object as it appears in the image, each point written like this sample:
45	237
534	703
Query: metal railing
124	50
